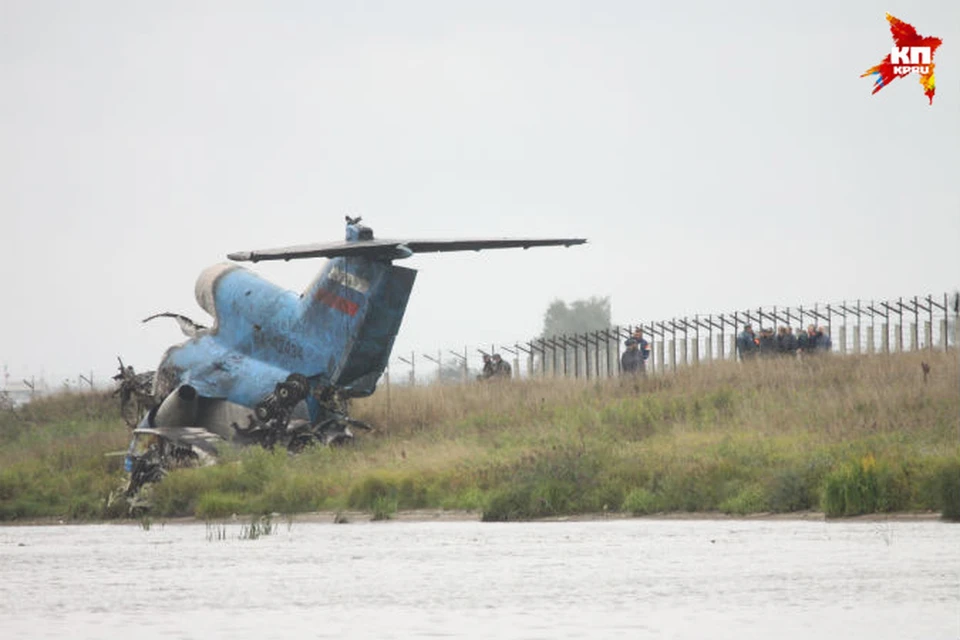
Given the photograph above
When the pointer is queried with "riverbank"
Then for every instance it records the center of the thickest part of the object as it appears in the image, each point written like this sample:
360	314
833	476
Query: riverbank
445	515
838	436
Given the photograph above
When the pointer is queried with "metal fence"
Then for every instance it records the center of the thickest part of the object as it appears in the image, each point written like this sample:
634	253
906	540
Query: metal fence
20	392
890	326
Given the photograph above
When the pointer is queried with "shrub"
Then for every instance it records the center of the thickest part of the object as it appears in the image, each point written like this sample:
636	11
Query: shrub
215	504
373	490
291	493
509	504
640	502
749	499
795	488
384	507
949	485
862	487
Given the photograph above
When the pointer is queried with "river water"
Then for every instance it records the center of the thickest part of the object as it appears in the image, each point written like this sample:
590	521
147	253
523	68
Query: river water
636	578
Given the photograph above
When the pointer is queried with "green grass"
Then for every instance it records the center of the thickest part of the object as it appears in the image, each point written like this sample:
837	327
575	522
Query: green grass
842	435
52	461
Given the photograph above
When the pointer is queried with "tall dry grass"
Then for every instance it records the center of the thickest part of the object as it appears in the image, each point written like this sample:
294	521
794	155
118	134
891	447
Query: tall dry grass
845	435
760	436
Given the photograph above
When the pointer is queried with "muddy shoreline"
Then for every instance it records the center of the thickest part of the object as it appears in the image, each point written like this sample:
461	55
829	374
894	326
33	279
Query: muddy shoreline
444	515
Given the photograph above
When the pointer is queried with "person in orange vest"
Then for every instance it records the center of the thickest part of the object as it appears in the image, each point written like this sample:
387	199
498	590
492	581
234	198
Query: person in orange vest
747	343
643	347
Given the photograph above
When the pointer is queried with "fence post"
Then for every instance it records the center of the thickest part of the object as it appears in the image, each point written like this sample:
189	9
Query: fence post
596	354
885	337
696	339
928	334
576	357
843	339
586	356
616	350
413	367
913	336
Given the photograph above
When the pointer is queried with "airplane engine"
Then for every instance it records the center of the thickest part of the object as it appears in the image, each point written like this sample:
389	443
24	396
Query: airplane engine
240	300
180	409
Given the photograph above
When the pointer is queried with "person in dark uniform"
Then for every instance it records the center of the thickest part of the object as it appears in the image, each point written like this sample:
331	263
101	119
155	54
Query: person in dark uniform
747	343
643	347
501	368
823	341
810	344
488	370
787	342
631	360
768	343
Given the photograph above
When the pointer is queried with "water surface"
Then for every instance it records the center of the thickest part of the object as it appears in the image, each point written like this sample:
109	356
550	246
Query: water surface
605	579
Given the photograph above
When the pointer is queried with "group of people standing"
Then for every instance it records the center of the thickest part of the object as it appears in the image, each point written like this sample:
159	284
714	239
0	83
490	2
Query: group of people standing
782	343
634	360
495	366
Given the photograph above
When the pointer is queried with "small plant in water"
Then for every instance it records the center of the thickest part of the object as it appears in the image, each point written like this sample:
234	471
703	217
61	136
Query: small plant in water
145	523
257	528
216	532
384	508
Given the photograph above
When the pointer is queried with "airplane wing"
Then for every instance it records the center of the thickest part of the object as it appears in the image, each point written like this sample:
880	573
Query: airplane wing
395	249
190	436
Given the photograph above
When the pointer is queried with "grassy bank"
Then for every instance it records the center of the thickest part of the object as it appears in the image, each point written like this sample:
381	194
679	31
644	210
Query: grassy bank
844	435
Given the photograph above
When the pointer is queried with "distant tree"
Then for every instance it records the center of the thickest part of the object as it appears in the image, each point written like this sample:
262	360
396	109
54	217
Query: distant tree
452	373
578	317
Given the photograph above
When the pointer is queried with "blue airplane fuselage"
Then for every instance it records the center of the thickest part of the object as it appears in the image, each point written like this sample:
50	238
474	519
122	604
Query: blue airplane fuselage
339	331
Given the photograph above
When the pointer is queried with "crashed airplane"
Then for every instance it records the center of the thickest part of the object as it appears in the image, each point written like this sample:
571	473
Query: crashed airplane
278	368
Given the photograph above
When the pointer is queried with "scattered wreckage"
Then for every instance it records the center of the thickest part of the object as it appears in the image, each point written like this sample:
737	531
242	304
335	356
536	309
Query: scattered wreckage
161	442
277	368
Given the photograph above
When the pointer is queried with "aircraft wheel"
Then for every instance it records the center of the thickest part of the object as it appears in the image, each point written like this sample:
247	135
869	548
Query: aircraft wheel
299	384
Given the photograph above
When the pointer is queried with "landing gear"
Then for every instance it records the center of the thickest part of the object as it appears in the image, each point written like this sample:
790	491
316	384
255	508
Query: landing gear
272	425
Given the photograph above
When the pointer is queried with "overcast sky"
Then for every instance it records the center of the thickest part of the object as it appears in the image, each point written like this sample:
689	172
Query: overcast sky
717	156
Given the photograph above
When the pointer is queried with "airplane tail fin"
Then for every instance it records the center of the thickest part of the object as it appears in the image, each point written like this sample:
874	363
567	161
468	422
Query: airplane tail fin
354	308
